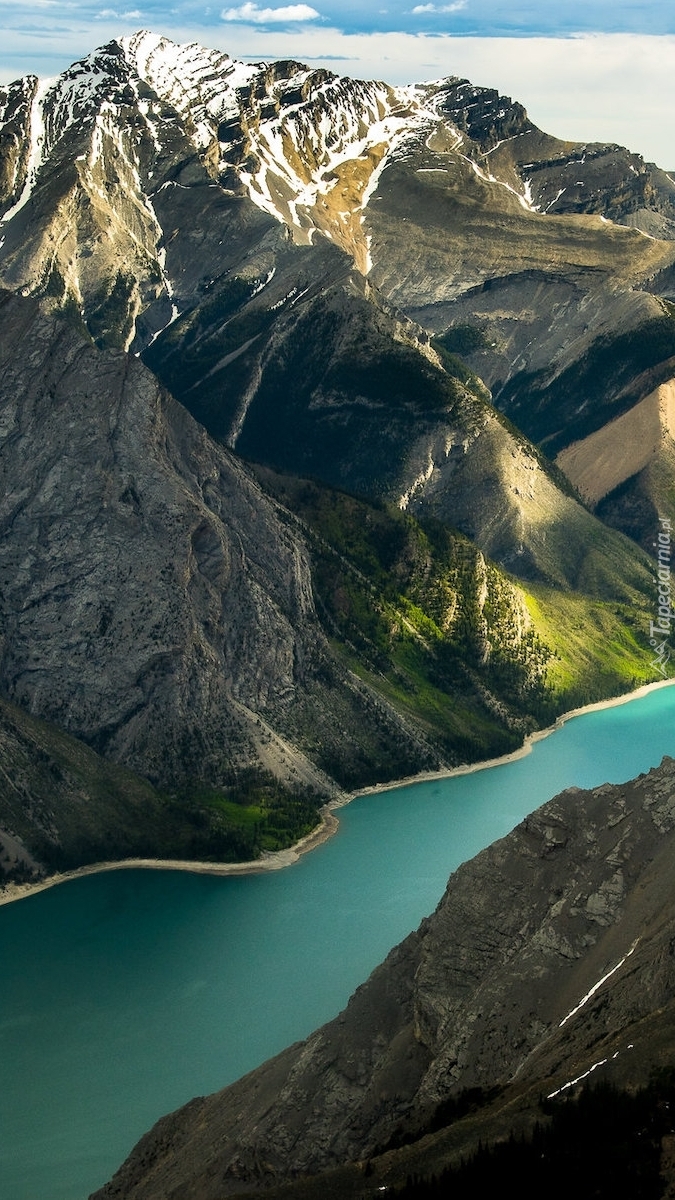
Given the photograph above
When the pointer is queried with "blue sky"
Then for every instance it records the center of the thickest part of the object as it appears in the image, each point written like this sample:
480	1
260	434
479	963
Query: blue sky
585	69
485	18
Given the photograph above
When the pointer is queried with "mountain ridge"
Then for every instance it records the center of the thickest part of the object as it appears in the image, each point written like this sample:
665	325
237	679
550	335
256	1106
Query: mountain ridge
161	607
286	118
394	303
548	959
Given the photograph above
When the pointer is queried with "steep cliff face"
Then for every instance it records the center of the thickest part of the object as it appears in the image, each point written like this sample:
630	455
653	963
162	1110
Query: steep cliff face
154	601
160	607
549	956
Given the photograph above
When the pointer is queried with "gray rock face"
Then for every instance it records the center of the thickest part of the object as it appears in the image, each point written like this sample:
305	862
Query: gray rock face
153	599
546	954
15	110
136	563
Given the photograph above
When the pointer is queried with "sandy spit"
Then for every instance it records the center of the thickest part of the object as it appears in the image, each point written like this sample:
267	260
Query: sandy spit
329	822
267	862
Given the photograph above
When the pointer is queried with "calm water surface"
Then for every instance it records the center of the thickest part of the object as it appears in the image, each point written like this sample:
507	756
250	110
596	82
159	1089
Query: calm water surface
122	995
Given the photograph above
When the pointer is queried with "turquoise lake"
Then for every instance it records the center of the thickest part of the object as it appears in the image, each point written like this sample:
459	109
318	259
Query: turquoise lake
124	994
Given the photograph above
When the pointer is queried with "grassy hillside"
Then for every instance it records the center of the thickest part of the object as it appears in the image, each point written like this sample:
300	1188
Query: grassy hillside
449	639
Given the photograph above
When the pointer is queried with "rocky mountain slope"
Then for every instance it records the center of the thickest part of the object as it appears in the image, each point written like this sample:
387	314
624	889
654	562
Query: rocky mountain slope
220	218
161	608
623	469
155	602
245	231
399	304
549	958
136	565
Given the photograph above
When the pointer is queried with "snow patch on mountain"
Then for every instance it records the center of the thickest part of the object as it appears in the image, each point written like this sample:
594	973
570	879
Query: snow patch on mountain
524	198
310	147
200	84
36	151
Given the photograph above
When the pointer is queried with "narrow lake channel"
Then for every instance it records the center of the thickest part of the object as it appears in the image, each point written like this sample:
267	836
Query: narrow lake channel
124	994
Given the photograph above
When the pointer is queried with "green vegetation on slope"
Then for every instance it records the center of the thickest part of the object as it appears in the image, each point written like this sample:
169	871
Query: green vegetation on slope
463	339
69	806
450	641
599	647
256	812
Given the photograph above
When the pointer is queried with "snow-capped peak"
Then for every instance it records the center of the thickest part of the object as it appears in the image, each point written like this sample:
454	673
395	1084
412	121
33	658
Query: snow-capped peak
197	82
309	146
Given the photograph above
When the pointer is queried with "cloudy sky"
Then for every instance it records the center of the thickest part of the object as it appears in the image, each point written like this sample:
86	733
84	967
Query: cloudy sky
585	69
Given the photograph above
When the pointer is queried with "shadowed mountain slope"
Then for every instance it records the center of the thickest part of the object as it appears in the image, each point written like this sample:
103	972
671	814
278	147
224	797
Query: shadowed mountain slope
549	956
70	806
155	602
162	608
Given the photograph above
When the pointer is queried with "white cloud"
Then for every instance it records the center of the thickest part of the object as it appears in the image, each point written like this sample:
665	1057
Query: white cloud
111	14
440	8
252	14
29	5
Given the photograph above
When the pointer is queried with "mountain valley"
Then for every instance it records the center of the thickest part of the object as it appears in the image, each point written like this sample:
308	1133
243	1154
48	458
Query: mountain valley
271	242
548	960
336	434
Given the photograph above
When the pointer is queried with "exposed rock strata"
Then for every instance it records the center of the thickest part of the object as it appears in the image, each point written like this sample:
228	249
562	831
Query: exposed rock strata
154	601
550	951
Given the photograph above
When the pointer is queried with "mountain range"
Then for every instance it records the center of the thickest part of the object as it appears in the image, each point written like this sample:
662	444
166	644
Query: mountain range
336	436
439	318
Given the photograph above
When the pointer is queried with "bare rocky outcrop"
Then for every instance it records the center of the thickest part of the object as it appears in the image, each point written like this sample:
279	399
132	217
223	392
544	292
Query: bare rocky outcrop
622	448
198	210
549	954
154	601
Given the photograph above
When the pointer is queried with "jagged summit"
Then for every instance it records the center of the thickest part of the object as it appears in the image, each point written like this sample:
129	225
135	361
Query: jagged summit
307	145
204	213
308	148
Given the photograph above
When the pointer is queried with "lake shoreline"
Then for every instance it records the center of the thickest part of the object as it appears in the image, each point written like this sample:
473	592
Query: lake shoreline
329	824
530	740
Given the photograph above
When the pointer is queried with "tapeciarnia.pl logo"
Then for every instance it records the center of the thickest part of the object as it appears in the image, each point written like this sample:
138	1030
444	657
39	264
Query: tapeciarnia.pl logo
659	630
